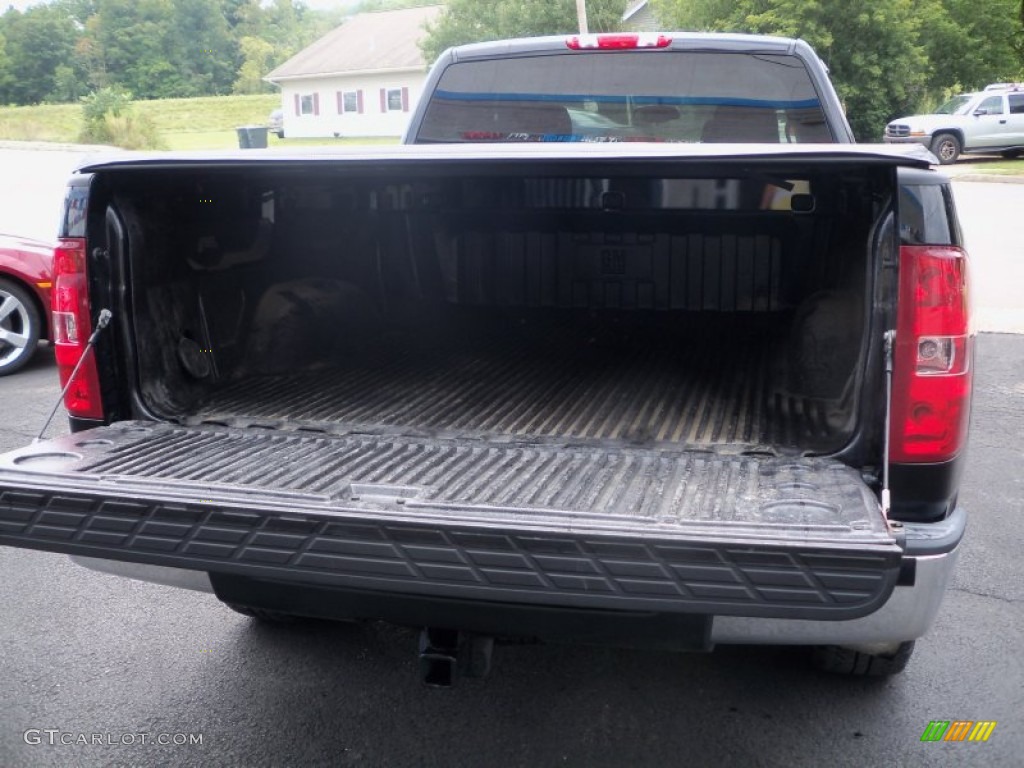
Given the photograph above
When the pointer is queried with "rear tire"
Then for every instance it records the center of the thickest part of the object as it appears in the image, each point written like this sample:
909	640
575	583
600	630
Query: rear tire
1012	154
844	661
947	148
20	325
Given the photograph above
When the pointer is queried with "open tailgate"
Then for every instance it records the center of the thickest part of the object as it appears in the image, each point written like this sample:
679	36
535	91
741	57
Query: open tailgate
536	522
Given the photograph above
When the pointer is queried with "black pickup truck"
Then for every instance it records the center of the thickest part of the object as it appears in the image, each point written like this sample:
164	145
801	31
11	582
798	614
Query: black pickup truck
628	344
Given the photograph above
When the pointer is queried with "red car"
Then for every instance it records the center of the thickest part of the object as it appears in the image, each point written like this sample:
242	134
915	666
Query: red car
25	283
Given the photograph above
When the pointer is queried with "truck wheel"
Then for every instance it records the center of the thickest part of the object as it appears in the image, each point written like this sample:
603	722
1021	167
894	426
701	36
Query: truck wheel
264	615
946	147
1012	154
844	661
19	327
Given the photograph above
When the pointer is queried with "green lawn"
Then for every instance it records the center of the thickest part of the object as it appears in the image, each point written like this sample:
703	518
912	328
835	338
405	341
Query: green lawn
999	167
47	122
213	113
202	123
229	139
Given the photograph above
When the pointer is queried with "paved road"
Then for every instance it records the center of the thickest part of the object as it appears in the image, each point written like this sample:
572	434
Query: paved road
33	188
87	653
990	215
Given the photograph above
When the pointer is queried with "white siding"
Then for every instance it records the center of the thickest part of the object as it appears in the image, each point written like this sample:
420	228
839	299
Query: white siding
642	19
330	121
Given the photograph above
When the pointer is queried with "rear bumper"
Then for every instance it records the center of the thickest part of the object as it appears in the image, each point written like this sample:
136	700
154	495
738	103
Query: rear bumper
594	564
557	525
747	549
924	141
907	614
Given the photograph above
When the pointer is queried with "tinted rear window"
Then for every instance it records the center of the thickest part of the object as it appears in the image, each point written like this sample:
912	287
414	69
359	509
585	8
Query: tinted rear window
681	96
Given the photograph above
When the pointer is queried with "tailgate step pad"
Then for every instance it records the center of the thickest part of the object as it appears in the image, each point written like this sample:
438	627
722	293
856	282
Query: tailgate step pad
553	523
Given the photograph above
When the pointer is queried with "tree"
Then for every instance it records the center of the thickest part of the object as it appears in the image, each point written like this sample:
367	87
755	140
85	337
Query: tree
162	48
128	36
1018	38
256	57
887	58
80	11
473	21
37	42
286	26
967	49
202	48
6	78
68	85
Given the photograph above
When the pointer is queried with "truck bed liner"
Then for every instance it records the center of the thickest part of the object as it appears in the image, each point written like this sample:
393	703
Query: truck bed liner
715	387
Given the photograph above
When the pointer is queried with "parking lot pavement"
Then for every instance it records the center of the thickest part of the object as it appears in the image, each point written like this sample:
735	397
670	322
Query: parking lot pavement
26	400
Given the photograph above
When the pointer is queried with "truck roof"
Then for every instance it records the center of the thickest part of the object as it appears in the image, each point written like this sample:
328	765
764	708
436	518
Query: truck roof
683	41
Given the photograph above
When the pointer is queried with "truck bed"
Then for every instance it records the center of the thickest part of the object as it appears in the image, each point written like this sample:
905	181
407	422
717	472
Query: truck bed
712	386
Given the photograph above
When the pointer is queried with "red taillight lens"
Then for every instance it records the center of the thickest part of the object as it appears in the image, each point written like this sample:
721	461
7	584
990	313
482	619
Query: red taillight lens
931	400
72	327
618	42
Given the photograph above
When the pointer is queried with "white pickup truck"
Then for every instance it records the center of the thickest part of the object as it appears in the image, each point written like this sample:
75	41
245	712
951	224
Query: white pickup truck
990	121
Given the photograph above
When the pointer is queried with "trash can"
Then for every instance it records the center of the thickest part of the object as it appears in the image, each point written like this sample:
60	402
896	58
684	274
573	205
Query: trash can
252	136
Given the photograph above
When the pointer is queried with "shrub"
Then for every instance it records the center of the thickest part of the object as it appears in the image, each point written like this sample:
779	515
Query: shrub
109	118
131	131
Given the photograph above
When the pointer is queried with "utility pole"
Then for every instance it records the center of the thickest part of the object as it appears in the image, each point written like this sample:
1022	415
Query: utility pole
581	14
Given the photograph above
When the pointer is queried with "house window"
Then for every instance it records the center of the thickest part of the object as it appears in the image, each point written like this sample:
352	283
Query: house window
350	102
307	104
394	99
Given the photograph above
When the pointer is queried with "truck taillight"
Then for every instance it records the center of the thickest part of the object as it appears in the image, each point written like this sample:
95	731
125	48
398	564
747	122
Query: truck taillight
933	364
618	42
72	327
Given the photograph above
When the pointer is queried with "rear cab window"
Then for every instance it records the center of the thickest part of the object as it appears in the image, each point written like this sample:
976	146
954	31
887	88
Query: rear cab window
690	96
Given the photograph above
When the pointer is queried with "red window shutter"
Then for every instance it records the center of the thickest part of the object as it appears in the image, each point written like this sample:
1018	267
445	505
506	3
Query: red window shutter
359	101
298	109
383	100
405	99
316	103
341	102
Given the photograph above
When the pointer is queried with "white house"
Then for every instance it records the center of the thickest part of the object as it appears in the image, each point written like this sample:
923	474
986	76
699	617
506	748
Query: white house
639	17
361	79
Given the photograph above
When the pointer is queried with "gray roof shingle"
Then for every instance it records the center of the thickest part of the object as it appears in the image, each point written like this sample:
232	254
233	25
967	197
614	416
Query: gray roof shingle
367	42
